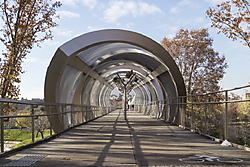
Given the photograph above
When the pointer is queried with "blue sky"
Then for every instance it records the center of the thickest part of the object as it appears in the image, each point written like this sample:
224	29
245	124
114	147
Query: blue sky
155	19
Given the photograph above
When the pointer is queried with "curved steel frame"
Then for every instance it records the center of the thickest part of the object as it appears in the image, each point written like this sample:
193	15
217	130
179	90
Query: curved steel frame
82	69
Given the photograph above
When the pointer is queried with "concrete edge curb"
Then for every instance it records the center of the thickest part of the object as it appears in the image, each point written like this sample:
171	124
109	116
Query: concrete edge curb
206	135
215	139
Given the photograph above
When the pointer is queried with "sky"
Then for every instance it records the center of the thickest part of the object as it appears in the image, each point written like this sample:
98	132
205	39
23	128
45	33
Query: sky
155	19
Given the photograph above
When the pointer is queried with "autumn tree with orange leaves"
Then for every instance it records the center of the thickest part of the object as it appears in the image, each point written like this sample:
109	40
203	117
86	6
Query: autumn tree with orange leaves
201	67
233	19
27	23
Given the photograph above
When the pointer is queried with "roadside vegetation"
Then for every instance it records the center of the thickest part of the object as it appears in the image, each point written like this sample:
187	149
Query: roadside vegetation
19	129
24	136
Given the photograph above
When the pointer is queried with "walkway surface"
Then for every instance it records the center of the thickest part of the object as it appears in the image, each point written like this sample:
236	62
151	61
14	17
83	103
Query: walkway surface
139	141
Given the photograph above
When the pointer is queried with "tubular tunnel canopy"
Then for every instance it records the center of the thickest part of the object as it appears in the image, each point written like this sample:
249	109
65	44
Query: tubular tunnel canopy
83	69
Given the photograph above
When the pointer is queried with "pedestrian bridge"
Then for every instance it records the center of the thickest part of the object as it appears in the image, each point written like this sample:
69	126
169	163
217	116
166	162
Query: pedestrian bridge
138	141
161	129
87	68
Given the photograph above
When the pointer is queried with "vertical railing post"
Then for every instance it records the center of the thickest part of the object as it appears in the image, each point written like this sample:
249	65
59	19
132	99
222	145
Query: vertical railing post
91	108
205	114
177	104
192	113
125	103
71	115
164	109
226	116
183	112
158	109
82	111
32	124
90	111
2	128
171	107
50	122
86	113
63	109
179	101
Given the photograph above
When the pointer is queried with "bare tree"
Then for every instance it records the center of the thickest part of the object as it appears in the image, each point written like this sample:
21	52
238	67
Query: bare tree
41	123
202	67
233	19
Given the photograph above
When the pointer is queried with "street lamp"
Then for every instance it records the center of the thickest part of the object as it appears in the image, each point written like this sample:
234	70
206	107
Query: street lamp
125	85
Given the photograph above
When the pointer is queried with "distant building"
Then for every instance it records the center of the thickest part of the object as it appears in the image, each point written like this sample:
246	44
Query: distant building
233	96
23	106
113	97
37	100
33	99
246	96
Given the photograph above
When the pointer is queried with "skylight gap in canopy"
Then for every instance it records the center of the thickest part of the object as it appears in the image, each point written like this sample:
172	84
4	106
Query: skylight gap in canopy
105	50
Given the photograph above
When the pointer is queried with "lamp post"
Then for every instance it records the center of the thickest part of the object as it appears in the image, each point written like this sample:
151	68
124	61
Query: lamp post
125	86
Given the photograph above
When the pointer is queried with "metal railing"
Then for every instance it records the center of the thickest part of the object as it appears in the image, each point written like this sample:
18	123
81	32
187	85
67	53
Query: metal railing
33	119
215	114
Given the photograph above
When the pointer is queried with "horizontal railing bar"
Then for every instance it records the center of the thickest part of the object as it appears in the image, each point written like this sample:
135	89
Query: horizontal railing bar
220	102
41	103
227	90
38	115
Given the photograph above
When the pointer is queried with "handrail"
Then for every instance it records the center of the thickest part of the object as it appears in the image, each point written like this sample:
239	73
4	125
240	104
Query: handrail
29	102
91	112
226	90
204	114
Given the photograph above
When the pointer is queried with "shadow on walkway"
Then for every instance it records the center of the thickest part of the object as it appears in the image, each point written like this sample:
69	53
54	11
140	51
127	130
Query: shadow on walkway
139	141
104	153
138	154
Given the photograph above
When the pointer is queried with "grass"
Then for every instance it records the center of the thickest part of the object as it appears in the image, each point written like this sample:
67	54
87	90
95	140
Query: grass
24	136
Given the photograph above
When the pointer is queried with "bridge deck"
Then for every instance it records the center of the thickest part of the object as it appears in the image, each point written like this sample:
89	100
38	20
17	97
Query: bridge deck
139	141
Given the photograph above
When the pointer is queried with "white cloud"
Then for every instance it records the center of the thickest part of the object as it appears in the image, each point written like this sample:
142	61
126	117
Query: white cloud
120	9
91	4
93	28
188	3
191	20
130	25
170	29
67	14
182	5
66	33
50	42
185	2
198	20
175	9
72	3
144	8
185	22
31	60
215	2
46	61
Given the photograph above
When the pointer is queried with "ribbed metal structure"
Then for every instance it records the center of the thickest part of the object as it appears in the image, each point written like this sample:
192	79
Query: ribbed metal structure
82	71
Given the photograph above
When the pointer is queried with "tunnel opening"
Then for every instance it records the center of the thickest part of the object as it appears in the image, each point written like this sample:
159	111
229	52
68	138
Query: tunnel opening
87	69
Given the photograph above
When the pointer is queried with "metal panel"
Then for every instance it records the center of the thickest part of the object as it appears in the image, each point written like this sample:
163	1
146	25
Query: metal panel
102	54
68	84
86	90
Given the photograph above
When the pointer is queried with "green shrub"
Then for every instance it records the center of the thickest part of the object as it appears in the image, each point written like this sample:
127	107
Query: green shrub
24	136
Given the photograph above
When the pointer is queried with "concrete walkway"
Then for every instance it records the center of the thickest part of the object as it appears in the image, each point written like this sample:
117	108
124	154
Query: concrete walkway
139	141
